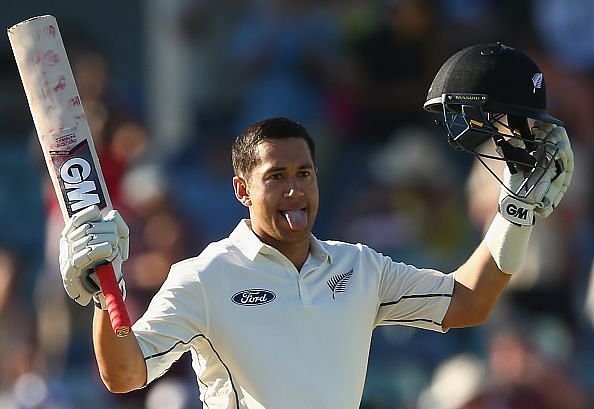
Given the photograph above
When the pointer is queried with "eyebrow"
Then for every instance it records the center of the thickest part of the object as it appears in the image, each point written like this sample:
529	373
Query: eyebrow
274	169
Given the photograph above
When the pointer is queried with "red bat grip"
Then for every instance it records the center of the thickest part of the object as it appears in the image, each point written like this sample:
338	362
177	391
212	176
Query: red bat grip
118	314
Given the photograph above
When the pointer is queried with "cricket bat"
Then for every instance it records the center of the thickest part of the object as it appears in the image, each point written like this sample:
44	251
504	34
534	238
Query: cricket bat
64	136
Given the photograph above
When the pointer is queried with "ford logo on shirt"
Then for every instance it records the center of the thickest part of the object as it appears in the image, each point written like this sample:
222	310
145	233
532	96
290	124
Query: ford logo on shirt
253	296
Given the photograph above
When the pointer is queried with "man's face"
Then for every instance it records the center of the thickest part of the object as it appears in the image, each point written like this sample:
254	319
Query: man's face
281	192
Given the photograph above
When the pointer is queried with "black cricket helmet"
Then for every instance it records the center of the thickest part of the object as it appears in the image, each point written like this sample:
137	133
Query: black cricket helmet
489	92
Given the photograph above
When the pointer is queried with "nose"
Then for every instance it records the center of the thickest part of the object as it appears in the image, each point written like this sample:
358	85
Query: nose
293	192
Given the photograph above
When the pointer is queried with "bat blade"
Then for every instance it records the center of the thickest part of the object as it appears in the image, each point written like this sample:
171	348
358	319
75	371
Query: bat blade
64	134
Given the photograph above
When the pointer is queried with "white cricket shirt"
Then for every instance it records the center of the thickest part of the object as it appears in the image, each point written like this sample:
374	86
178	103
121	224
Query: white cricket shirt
264	335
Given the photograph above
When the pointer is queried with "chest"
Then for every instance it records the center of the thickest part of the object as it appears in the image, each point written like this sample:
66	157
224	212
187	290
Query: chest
258	302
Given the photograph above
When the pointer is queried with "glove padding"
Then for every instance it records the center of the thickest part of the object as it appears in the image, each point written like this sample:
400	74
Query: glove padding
87	241
546	187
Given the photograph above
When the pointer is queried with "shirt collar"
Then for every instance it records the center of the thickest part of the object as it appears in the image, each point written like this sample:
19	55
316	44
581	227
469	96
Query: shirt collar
250	245
317	251
246	240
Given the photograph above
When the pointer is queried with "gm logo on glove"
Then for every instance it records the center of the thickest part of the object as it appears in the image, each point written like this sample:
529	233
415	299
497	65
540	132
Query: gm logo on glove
516	211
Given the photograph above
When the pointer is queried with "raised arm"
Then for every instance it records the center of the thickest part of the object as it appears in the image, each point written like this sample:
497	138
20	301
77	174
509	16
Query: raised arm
479	284
87	241
120	360
481	280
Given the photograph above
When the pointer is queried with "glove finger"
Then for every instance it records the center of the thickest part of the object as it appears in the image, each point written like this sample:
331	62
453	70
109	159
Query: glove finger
79	245
124	248
560	196
101	252
558	189
78	233
116	264
558	135
565	153
562	184
70	273
71	289
64	253
539	174
76	291
91	241
542	128
93	233
567	180
83	298
121	225
86	215
123	231
91	228
92	255
552	195
541	188
562	161
102	227
546	150
539	123
111	238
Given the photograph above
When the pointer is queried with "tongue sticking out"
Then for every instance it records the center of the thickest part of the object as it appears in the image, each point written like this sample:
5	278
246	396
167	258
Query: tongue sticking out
297	219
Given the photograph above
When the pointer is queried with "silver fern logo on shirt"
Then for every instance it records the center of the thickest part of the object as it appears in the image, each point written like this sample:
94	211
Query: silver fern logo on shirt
253	296
338	283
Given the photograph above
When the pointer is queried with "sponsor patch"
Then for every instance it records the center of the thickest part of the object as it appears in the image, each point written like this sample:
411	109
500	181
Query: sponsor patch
253	296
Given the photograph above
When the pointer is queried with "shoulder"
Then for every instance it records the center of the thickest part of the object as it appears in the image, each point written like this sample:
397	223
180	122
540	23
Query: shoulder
363	255
213	257
341	246
343	249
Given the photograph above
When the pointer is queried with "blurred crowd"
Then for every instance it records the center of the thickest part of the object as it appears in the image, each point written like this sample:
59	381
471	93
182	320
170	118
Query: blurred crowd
356	74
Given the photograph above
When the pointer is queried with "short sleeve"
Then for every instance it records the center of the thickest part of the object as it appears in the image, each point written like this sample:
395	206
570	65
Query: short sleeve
173	320
413	297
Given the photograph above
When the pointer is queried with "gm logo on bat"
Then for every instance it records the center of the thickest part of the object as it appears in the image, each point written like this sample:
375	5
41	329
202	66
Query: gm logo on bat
78	178
253	296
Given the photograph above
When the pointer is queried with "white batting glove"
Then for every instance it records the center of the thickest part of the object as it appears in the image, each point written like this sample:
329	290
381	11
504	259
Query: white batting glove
560	176
547	185
508	235
87	241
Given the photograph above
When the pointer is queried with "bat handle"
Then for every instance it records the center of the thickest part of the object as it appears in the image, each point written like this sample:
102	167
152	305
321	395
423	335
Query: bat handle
118	314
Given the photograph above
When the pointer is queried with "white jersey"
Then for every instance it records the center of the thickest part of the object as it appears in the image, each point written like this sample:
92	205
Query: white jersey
264	335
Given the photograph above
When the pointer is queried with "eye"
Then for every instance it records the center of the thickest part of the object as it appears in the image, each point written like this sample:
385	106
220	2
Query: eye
304	173
275	176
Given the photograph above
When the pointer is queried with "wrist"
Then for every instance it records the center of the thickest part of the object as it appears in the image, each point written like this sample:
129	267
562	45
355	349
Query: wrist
99	301
507	243
99	297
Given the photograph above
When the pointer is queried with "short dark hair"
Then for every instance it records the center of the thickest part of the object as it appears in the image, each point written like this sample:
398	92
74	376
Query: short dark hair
243	154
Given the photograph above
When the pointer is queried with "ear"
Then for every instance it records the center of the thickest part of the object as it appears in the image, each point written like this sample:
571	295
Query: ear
241	191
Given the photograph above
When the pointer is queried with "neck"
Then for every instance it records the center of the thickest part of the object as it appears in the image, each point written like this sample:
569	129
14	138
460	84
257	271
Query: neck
296	252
